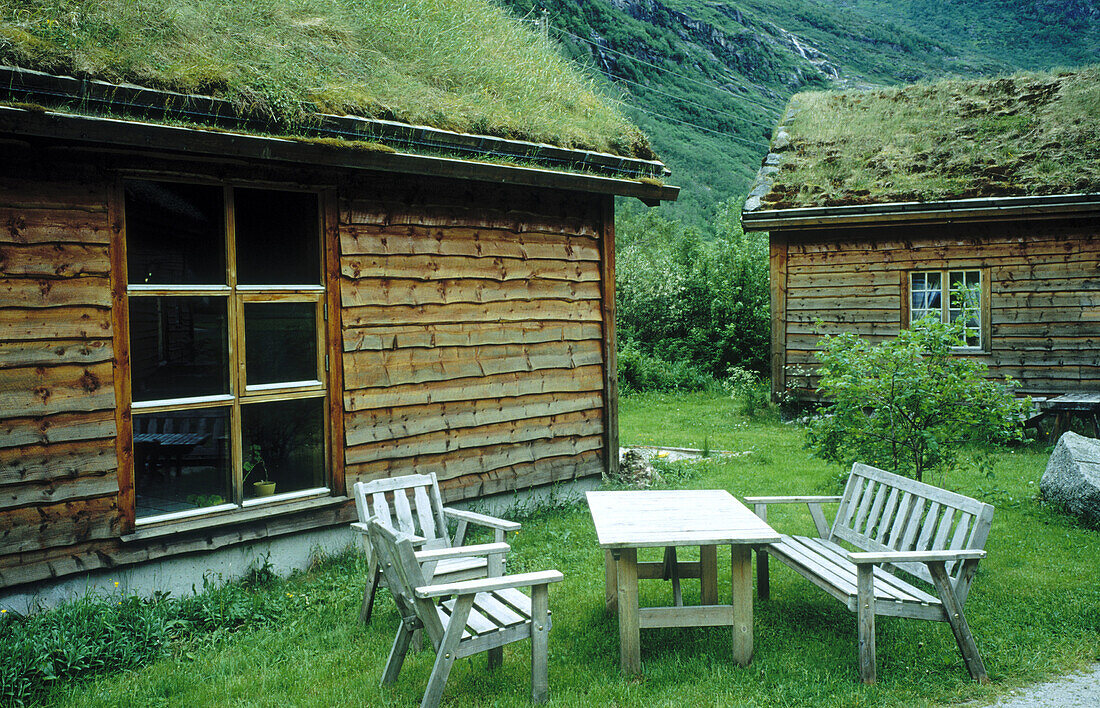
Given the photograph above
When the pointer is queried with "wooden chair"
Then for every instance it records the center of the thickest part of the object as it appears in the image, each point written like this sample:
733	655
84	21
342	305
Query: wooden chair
413	505
897	524
481	615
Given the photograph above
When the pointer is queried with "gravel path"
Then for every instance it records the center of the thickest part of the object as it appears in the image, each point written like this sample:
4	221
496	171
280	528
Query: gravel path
1073	691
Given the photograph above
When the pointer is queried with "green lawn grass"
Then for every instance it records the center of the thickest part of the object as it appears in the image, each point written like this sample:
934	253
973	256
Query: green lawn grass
1034	609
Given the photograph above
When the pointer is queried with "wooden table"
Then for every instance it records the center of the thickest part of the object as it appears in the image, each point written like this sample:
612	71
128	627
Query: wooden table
629	520
1068	405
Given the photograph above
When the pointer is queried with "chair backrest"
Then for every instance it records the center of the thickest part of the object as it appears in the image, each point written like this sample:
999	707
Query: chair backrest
410	504
402	574
881	511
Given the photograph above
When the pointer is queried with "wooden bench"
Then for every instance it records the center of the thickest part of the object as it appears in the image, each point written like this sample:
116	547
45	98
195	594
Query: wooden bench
907	533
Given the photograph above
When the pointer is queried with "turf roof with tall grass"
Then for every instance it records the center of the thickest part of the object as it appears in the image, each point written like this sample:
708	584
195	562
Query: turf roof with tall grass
1030	134
463	65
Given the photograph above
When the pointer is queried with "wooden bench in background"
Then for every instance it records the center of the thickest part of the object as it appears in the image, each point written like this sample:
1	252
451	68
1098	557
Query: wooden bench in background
906	532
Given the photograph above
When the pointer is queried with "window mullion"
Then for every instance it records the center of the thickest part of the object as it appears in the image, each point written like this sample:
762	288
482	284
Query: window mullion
236	362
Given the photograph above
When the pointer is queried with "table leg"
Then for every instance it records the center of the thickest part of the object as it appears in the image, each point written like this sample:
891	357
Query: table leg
741	565
611	583
630	648
708	575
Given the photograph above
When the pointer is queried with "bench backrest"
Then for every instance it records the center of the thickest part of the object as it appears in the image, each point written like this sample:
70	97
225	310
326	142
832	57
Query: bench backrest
881	511
410	504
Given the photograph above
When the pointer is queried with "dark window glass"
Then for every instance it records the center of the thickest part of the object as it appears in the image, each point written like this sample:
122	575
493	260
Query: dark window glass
284	443
277	240
181	461
178	347
280	342
175	234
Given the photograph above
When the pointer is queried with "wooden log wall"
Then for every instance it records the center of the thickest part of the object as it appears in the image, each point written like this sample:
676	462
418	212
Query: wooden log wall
58	466
1043	290
473	335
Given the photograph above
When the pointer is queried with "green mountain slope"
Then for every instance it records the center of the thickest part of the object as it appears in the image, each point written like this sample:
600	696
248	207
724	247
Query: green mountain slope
1029	34
707	80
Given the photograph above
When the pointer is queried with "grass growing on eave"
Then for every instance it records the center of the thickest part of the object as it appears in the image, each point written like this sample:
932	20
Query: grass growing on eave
461	65
1030	134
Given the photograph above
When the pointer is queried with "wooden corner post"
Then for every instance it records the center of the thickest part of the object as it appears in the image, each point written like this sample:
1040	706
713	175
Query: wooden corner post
610	358
778	282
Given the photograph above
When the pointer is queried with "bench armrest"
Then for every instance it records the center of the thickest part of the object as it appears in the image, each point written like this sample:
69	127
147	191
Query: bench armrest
481	519
481	549
794	500
760	506
471	587
876	557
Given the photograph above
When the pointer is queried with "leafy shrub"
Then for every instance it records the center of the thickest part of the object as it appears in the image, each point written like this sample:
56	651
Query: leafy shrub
639	371
751	391
909	403
689	300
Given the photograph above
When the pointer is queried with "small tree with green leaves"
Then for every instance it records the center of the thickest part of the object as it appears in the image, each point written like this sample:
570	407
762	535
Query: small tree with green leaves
910	403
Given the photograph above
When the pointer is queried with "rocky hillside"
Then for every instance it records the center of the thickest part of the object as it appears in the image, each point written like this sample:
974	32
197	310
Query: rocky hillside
707	80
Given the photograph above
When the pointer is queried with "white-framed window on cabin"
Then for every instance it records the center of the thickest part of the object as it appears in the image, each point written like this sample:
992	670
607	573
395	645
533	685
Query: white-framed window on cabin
942	294
226	297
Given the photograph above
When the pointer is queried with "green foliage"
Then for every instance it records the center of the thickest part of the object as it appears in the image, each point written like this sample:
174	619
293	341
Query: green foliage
751	391
102	634
910	403
679	298
455	64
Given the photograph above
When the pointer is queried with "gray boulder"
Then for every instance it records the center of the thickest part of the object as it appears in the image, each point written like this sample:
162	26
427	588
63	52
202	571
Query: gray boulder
1072	477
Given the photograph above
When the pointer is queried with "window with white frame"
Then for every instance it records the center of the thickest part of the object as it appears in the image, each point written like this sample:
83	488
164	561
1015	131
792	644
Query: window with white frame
225	297
943	294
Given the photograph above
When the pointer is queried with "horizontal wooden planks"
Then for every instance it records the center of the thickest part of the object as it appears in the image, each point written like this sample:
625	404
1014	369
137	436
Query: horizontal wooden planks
545	471
53	226
394	423
56	389
434	268
466	334
52	352
46	463
398	291
559	381
60	524
54	323
58	428
577	423
1044	289
473	242
536	311
406	366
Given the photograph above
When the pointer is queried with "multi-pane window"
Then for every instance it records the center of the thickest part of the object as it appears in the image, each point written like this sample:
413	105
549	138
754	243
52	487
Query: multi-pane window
226	309
945	295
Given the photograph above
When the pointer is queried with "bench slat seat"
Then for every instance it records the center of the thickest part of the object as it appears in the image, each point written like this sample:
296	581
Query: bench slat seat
933	536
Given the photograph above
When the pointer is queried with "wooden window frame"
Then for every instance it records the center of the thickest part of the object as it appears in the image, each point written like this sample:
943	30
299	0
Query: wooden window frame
326	387
984	306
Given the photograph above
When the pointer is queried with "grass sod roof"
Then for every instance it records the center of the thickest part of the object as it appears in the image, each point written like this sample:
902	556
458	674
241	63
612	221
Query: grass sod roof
1031	134
461	65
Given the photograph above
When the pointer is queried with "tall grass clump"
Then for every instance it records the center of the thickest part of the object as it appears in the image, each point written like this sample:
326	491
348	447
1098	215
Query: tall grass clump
101	634
457	64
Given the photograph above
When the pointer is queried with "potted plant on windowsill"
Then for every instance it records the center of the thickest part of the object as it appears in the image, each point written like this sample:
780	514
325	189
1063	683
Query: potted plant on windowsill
263	486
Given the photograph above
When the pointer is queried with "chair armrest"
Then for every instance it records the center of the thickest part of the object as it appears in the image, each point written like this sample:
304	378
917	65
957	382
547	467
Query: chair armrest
793	500
876	557
481	549
481	519
365	530
471	587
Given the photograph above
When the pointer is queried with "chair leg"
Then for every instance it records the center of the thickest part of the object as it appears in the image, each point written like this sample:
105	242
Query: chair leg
959	626
445	658
540	634
866	618
496	658
397	653
374	572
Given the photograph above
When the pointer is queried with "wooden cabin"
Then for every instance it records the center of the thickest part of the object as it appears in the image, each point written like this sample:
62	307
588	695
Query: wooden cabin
875	221
187	312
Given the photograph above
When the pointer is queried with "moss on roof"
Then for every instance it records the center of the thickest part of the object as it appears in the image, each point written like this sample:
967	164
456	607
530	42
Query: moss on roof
1025	135
463	65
